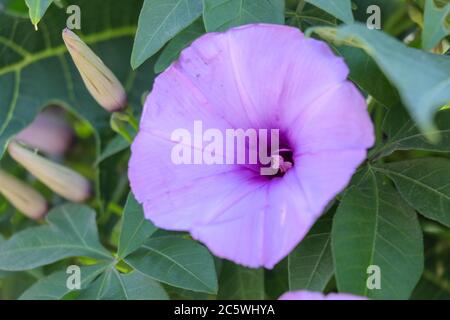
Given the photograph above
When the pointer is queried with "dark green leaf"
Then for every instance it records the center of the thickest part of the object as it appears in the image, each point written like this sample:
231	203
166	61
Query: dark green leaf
374	227
159	21
368	76
341	9
424	184
176	261
240	283
403	134
220	15
113	285
71	231
171	52
135	228
54	286
311	263
116	145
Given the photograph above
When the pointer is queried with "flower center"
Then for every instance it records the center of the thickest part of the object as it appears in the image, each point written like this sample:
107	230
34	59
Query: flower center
282	161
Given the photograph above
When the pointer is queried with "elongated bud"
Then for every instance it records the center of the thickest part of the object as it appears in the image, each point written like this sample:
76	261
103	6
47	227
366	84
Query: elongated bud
49	133
23	197
63	181
98	78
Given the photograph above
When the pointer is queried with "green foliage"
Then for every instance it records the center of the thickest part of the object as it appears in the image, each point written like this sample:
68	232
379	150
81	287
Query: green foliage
220	15
311	263
395	214
37	8
159	21
374	227
341	9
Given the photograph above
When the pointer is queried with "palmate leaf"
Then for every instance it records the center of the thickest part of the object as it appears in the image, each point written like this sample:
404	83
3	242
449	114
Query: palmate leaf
436	24
159	21
36	70
311	263
37	9
422	95
240	283
373	226
54	286
220	15
71	231
425	184
176	261
341	9
135	228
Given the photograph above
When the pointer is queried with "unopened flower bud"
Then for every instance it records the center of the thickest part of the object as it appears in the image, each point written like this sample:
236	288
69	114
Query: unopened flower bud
63	181
98	78
48	133
27	200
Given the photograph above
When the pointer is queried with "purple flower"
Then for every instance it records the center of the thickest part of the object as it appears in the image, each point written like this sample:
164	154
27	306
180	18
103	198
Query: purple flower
309	295
253	77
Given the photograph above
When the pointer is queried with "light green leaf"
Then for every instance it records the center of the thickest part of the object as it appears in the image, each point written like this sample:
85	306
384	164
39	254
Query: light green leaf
341	9
423	95
220	15
71	231
373	226
424	184
113	285
159	21
135	228
176	261
54	286
311	263
436	24
37	9
43	59
240	283
171	52
403	134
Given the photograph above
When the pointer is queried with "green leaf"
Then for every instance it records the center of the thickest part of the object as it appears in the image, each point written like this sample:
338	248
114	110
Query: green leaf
424	184
403	134
368	76
176	261
436	24
423	95
240	283
43	59
54	286
374	226
311	263
71	231
171	52
37	9
159	21
113	285
135	228
116	145
220	15
341	9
